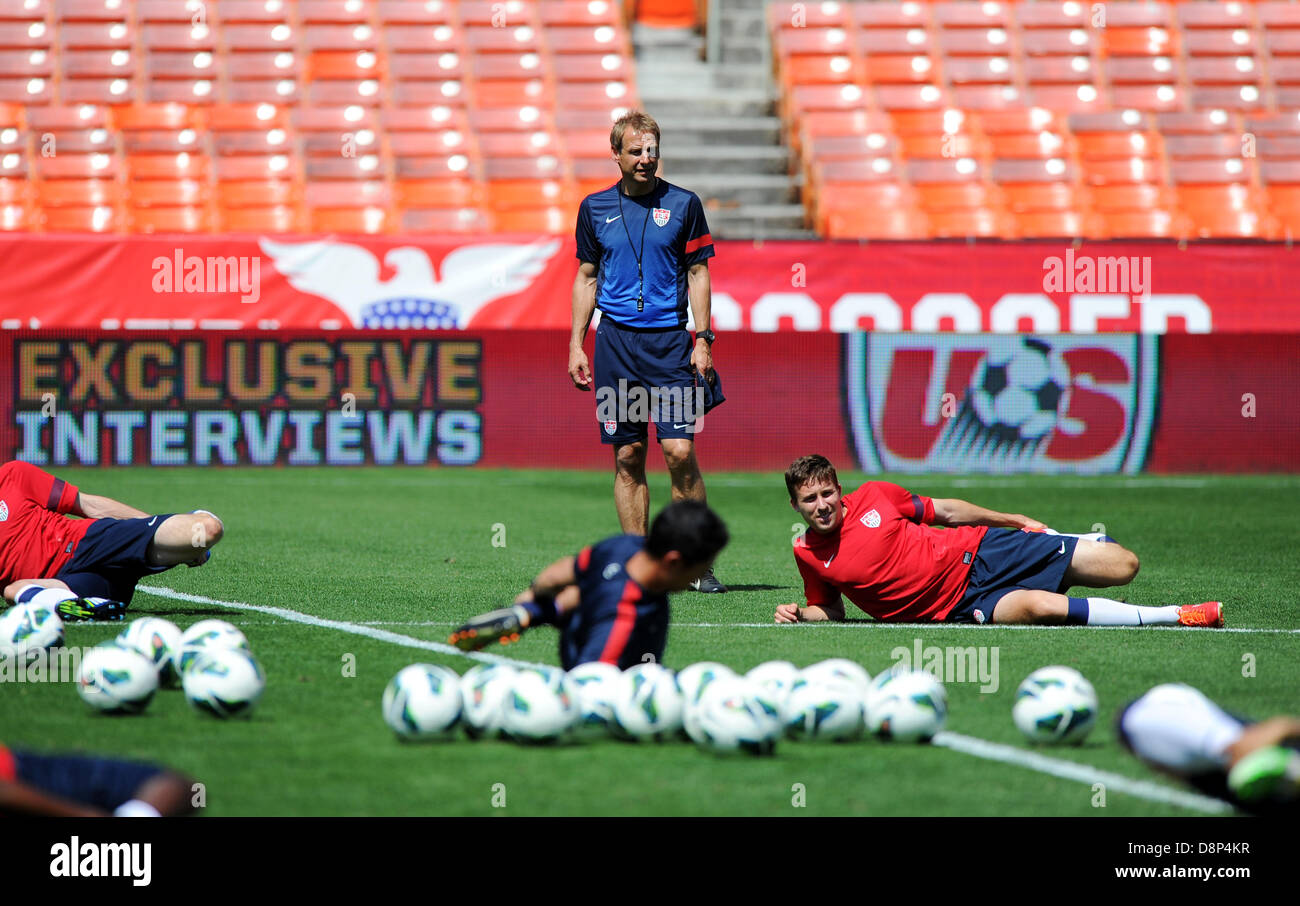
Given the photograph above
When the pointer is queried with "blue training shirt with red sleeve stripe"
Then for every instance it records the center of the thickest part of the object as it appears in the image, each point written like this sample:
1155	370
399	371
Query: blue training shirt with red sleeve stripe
617	621
610	233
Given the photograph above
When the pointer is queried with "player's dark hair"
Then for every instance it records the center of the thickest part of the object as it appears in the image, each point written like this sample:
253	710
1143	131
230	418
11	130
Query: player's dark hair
814	467
690	528
636	120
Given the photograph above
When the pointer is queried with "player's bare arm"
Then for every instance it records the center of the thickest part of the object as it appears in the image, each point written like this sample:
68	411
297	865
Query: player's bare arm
584	306
811	613
557	581
699	291
20	798
92	506
953	512
1272	732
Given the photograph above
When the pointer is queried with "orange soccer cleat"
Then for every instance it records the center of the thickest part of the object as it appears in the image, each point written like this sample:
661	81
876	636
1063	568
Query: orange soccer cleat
1209	615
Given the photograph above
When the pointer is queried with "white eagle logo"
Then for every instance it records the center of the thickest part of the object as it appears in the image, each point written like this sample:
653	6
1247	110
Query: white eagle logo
871	519
348	275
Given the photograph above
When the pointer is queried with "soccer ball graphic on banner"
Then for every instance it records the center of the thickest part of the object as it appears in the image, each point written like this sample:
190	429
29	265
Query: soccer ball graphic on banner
1017	393
1055	705
422	702
116	680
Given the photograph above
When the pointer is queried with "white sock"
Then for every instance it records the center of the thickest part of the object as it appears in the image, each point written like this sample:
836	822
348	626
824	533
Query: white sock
134	808
1105	612
45	597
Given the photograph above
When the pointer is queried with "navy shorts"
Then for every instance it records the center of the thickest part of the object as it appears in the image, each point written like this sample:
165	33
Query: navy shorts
112	558
593	631
644	375
102	782
1008	560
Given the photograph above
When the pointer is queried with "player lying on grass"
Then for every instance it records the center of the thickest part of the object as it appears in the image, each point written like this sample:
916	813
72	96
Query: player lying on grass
610	601
1177	730
879	547
87	567
78	786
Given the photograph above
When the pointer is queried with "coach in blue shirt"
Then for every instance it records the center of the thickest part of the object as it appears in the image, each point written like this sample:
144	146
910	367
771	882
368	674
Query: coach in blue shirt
643	250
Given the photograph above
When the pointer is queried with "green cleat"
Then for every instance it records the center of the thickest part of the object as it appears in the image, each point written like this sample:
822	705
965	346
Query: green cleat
504	626
1269	773
80	610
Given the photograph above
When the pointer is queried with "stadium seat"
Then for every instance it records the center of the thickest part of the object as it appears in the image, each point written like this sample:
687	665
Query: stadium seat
890	223
956	196
1148	224
1071	70
1135	197
404	12
183	165
444	221
1118	145
1152	98
256	193
1054	42
186	219
1124	171
1220	145
1065	98
789	41
364	220
438	193
1217	42
266	219
1203	122
79	193
152	193
601	39
972	222
1029	145
100	219
1022	198
812	15
1064	224
553	220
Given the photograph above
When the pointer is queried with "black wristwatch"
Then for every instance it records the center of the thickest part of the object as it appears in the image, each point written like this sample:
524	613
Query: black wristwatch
707	335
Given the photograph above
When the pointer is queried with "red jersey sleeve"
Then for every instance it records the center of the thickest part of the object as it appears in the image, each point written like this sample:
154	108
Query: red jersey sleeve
816	590
914	507
50	492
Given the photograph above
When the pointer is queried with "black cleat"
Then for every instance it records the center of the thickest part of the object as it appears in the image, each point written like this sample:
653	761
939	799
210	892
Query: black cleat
708	584
502	626
98	609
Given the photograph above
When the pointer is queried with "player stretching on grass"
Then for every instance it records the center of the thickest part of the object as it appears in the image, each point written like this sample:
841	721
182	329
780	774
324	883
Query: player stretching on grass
611	599
87	567
1177	730
878	547
79	786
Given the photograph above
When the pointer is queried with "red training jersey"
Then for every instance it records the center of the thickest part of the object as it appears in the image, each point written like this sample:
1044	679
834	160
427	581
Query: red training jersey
36	539
888	558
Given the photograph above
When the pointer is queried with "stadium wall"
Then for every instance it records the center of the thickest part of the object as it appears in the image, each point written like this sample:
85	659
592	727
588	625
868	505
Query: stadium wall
1056	403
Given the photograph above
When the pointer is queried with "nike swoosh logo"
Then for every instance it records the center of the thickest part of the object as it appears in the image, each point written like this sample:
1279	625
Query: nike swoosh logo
828	562
1062	550
153	520
612	219
680	427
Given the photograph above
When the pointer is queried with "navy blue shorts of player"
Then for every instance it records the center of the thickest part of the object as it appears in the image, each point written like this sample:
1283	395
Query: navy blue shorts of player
656	360
617	621
101	782
112	558
1007	560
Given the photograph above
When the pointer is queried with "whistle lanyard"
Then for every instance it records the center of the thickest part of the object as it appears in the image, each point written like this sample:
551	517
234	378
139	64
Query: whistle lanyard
640	277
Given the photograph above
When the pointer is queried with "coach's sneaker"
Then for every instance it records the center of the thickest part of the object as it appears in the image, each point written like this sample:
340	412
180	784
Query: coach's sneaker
502	626
78	610
1209	614
709	584
1272	772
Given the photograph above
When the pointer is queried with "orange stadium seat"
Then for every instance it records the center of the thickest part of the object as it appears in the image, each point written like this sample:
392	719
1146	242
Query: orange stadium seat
910	97
889	223
1146	224
337	11
1118	145
972	222
404	12
88	10
601	39
1136	197
789	41
445	221
809	15
957	196
265	219
1065	98
181	219
1064	224
1043	196
438	193
99	219
1126	171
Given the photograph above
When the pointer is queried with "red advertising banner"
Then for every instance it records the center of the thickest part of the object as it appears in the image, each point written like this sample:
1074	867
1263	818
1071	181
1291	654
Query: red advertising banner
1106	403
504	282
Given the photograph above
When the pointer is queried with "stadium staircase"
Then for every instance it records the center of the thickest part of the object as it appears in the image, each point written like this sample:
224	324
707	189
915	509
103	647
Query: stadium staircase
722	139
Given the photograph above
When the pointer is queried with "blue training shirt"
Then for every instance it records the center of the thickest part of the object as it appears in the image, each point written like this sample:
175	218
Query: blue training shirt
617	621
676	237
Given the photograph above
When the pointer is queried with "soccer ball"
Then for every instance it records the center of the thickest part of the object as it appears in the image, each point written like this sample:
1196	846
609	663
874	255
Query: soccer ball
483	691
422	701
27	628
224	682
116	680
822	708
907	705
204	635
541	706
156	639
647	703
728	718
841	669
1017	392
774	677
1055	705
595	683
692	680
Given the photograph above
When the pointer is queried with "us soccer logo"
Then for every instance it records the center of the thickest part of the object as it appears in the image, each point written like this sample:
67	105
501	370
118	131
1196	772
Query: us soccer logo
1001	403
610	427
661	216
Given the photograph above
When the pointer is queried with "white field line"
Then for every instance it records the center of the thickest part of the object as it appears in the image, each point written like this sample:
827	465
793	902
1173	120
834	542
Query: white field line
1069	770
967	744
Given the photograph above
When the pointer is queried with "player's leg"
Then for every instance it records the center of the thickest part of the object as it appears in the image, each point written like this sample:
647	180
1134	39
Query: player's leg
684	469
1177	729
13	589
184	538
1026	605
1097	564
631	491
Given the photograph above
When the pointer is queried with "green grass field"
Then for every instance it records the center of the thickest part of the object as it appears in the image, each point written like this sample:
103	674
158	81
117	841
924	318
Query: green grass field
411	552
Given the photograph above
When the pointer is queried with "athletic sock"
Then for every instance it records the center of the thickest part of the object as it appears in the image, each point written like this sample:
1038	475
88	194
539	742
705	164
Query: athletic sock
45	597
1105	612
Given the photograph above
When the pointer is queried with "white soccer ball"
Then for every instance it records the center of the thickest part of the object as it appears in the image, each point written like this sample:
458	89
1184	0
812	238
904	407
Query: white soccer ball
596	683
647	704
728	718
541	706
1055	705
842	669
483	691
422	701
692	680
907	706
156	639
823	708
776	678
224	682
116	680
27	628
204	635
